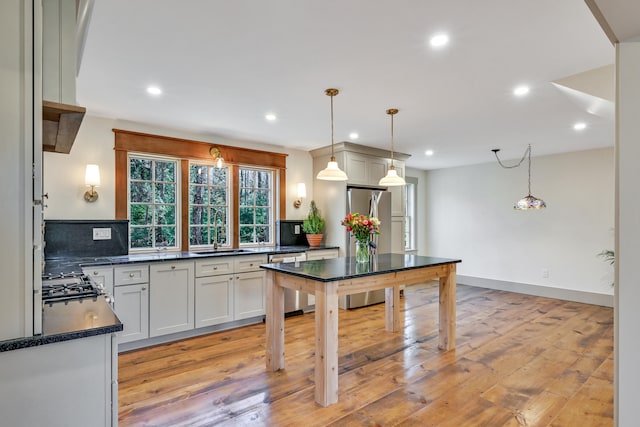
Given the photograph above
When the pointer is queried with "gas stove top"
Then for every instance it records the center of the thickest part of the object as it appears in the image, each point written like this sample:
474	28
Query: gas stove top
68	286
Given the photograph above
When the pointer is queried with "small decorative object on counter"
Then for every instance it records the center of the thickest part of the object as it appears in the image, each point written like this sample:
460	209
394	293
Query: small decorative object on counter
362	227
313	225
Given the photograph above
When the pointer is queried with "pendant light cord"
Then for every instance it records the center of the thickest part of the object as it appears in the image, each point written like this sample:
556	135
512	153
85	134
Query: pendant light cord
392	147
332	156
527	154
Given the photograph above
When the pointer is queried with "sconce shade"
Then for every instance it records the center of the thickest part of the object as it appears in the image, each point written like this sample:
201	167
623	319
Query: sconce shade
92	176
302	190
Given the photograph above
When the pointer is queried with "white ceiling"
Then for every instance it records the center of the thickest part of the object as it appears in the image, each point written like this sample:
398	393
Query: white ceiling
224	64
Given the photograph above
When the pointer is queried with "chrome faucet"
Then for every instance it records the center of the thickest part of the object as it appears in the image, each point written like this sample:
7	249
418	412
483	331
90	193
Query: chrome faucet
215	230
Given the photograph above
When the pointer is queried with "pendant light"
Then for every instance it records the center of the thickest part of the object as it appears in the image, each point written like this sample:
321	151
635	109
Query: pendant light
332	172
529	201
392	178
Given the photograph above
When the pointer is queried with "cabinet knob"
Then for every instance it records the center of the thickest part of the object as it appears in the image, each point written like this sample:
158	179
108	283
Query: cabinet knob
131	275
95	273
173	267
251	265
144	288
215	268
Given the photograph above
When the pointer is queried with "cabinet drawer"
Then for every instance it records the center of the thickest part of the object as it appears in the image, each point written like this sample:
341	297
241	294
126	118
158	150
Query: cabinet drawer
249	263
130	274
214	266
322	254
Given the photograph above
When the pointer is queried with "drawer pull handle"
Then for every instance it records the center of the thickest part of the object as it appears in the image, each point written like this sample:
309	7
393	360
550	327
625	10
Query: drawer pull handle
131	275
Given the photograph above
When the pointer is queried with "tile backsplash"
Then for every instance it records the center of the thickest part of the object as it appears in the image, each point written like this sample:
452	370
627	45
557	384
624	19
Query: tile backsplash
85	238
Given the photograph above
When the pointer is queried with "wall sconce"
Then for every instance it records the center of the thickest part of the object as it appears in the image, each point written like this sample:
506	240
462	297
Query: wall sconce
217	156
92	179
302	193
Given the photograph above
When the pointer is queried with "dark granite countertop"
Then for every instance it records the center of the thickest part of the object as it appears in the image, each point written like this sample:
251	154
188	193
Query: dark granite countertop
59	265
70	320
329	270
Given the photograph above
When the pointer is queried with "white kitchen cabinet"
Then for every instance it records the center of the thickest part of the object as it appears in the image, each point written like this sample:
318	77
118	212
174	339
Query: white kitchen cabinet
249	288
249	295
321	254
171	297
102	276
363	169
129	274
131	304
214	300
69	383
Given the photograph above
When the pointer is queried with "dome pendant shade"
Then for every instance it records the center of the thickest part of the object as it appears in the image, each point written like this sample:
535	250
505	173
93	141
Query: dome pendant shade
332	172
529	202
392	179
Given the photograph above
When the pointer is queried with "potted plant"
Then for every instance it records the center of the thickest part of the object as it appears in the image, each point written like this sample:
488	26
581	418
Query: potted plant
313	225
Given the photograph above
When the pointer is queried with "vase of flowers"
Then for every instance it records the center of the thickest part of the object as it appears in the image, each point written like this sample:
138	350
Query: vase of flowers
362	227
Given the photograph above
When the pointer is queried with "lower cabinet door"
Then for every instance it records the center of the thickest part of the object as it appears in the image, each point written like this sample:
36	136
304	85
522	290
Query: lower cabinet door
171	298
214	300
132	307
249	295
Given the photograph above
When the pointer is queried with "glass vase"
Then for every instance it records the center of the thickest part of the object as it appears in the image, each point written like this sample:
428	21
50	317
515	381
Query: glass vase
362	251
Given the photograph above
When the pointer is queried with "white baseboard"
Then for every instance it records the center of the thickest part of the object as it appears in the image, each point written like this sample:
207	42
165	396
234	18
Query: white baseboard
605	300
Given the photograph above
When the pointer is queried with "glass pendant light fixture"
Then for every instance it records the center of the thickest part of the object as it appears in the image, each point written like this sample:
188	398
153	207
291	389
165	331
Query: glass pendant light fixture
392	178
529	201
332	171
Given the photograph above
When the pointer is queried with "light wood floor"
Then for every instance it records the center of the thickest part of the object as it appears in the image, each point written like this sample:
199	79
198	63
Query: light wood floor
520	361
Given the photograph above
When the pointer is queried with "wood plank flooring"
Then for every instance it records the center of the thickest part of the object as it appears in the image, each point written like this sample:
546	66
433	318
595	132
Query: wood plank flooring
520	361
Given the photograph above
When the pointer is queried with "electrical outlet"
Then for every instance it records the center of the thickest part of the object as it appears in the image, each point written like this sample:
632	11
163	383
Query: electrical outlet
102	234
296	229
545	273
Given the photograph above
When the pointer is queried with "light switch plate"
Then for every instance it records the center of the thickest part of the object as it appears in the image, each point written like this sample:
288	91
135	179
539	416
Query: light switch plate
102	234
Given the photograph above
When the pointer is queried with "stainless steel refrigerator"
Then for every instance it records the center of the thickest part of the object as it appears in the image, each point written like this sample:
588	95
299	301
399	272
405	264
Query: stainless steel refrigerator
373	202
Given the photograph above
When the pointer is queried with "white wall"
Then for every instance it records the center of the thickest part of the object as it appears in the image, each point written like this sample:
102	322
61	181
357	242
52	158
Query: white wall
627	317
64	173
470	215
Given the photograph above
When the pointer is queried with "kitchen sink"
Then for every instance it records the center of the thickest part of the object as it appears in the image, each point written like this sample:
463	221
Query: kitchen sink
220	251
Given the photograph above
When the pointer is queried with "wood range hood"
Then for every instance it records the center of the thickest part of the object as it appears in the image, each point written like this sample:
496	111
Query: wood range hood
60	124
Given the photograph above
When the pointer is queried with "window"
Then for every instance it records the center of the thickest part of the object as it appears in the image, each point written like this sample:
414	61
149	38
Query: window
256	206
153	193
208	205
410	220
175	199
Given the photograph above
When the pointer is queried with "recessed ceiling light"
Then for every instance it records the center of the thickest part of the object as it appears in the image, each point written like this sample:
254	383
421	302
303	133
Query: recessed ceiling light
353	135
521	90
429	152
154	90
580	126
439	40
270	117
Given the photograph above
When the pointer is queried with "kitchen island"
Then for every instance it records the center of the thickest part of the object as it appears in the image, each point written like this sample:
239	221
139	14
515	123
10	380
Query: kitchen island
328	280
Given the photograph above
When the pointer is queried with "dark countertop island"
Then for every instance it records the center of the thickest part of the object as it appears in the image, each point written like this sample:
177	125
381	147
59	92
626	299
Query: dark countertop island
330	279
329	270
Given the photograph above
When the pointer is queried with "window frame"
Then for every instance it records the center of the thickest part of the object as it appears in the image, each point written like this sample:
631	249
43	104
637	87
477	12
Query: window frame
271	207
190	150
176	203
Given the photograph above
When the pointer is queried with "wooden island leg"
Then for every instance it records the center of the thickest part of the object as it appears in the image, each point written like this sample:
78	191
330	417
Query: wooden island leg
326	373
274	322
392	308
447	310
